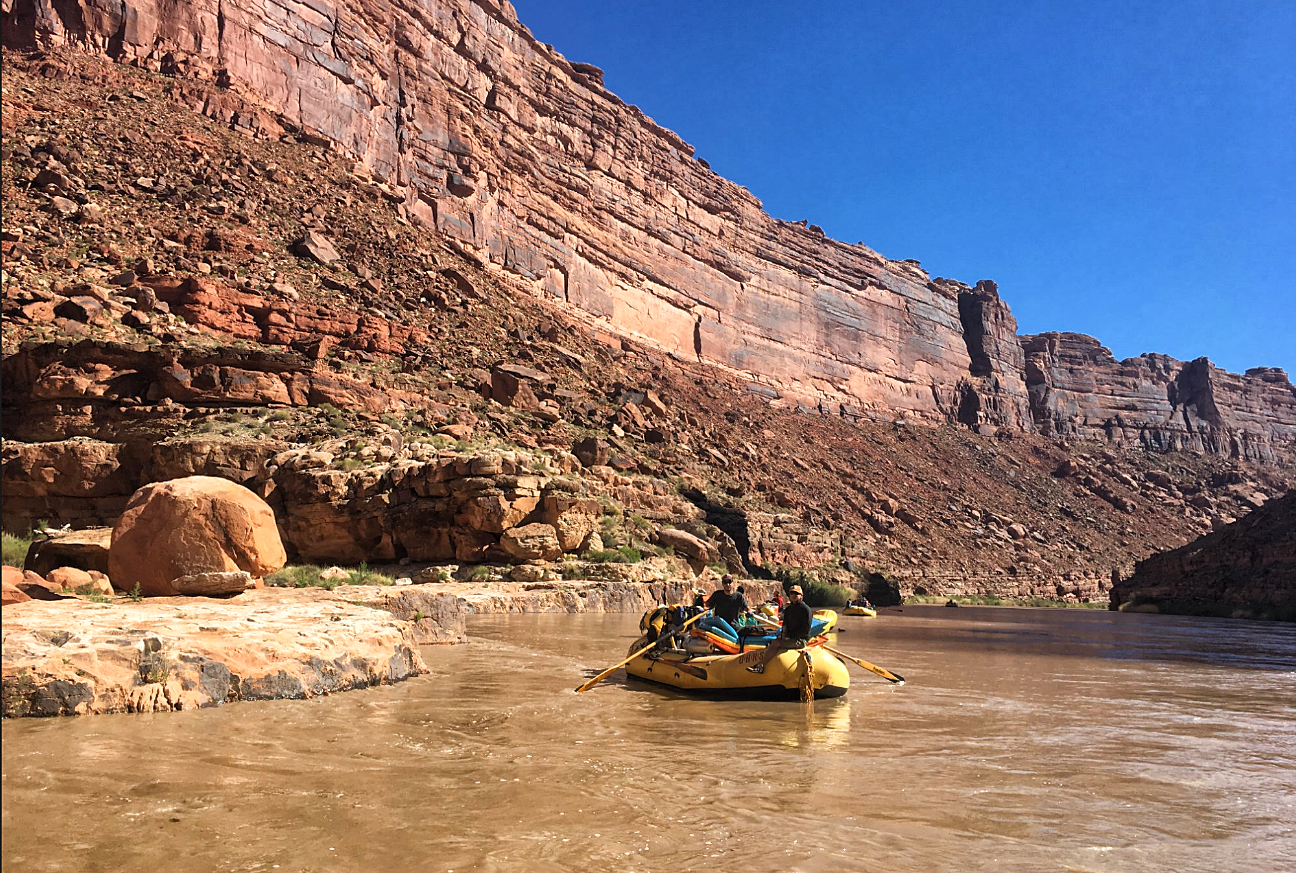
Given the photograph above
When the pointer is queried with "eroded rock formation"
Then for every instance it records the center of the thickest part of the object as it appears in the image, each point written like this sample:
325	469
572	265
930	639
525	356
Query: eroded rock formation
501	143
1078	389
77	657
1247	569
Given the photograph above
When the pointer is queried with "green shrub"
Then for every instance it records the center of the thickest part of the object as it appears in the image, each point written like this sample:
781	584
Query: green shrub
820	593
16	548
995	600
308	576
619	555
817	592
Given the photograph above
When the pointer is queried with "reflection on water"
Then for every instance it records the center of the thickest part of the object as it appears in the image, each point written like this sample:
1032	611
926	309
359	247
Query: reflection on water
1023	740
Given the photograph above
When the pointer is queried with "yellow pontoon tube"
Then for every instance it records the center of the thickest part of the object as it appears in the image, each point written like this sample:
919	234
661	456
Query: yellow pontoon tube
727	675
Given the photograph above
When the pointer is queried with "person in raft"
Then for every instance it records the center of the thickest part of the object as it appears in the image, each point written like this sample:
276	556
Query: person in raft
795	633
727	603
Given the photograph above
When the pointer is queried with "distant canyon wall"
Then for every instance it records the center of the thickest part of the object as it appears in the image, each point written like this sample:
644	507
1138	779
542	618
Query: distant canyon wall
1079	390
499	142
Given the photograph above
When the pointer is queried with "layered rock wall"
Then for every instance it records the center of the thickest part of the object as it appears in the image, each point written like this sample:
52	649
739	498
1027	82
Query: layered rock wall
1078	389
502	144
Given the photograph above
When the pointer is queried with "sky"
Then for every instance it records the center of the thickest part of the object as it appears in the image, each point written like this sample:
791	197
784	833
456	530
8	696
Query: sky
1121	169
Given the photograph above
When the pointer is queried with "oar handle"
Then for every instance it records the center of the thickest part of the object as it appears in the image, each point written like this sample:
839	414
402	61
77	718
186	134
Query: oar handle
610	670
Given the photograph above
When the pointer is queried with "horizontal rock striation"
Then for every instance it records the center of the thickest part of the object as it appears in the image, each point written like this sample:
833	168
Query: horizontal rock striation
509	149
1078	389
502	144
86	388
1247	569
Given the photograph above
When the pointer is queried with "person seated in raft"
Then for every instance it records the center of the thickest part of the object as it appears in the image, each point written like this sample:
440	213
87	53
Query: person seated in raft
795	633
727	603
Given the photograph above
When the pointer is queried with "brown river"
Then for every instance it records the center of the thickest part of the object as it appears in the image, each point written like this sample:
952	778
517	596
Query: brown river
1023	740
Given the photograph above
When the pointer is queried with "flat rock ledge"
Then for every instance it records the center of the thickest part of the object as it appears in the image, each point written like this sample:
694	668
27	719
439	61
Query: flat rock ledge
172	653
80	657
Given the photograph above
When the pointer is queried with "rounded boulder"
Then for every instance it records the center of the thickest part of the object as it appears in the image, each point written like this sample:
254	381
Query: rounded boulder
199	524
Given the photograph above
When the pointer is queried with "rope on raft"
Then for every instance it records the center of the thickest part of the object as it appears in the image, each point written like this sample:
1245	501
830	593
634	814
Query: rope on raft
807	678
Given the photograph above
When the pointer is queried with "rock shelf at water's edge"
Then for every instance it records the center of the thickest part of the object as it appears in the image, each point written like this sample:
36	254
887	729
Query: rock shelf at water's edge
79	657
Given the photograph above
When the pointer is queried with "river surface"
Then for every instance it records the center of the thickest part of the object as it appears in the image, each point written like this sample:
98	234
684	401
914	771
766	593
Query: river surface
1023	740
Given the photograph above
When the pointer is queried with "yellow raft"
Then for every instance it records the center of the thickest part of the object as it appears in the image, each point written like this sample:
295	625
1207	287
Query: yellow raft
860	610
724	675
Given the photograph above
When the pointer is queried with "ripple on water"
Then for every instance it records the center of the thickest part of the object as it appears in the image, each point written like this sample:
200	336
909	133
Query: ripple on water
1099	742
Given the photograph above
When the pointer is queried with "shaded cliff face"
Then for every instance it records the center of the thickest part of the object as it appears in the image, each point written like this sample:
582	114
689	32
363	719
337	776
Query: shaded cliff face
502	144
1247	568
1078	389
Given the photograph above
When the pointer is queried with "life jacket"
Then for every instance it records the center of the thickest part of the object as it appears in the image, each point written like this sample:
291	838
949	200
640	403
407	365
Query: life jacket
660	621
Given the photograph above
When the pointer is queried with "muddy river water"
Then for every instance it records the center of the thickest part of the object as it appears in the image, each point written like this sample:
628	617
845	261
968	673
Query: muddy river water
1024	740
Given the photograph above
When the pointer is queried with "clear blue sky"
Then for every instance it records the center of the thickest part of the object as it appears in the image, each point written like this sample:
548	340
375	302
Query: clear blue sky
1122	169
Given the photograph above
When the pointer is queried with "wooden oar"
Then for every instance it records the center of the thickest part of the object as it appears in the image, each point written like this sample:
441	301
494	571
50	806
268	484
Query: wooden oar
610	670
872	668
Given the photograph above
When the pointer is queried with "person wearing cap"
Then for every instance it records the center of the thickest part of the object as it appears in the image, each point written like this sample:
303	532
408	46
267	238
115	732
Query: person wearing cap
795	633
727	603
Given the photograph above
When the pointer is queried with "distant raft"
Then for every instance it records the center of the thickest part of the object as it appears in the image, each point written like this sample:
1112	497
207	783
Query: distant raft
726	675
860	610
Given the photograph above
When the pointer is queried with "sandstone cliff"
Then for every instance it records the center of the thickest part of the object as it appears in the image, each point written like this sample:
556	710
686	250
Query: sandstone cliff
502	144
1078	389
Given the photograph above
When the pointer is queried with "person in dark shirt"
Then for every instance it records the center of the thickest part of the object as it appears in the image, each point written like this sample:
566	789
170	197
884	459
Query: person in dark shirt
727	603
795	633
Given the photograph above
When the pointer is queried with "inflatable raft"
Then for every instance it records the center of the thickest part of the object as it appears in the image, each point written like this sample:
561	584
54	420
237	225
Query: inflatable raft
726	675
860	610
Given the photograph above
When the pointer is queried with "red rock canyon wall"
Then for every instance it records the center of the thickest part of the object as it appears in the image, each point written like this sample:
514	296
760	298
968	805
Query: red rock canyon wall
501	143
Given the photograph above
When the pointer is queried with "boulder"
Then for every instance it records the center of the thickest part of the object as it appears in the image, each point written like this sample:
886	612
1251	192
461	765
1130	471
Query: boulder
214	584
515	385
494	512
317	247
574	518
71	579
36	587
592	452
189	526
532	542
12	593
684	543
